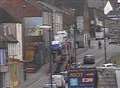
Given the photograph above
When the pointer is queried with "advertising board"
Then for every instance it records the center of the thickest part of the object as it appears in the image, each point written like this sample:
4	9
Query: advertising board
82	78
31	26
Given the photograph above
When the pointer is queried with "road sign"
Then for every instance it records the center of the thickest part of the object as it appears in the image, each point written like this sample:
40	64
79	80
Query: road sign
82	78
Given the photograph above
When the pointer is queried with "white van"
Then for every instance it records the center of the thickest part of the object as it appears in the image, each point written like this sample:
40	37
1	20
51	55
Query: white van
61	36
59	80
62	33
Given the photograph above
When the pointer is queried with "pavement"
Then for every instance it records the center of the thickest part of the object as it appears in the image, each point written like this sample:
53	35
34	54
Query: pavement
34	78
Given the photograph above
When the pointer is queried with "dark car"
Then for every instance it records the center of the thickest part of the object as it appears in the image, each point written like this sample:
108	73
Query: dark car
89	59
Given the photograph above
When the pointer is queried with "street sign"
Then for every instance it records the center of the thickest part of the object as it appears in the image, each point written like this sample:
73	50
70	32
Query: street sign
82	78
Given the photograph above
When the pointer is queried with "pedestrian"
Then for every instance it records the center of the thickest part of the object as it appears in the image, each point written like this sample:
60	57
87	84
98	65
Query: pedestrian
99	44
89	43
72	59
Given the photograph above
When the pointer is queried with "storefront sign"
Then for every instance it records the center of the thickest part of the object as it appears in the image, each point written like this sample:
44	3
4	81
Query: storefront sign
32	26
82	78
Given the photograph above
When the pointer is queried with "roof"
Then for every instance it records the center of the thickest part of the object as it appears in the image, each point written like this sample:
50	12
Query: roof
75	4
26	8
108	64
6	17
19	9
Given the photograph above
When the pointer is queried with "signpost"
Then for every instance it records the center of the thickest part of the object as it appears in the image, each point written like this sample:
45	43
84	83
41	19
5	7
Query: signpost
82	78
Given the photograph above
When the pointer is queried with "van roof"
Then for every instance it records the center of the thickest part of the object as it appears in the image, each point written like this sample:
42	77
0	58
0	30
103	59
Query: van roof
57	76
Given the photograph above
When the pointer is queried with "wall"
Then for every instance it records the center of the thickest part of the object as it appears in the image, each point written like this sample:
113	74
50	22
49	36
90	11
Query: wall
55	19
14	29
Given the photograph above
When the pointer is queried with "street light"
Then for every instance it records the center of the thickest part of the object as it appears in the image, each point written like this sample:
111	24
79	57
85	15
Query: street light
107	9
74	35
105	48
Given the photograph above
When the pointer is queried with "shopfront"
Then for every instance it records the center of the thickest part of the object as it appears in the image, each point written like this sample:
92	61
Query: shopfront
3	72
3	67
1	80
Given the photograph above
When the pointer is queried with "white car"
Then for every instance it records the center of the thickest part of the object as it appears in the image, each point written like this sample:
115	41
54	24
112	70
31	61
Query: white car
109	65
61	36
65	75
62	33
76	65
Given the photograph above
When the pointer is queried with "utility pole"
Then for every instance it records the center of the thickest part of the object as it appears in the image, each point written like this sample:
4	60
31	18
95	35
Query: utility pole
74	35
50	58
107	9
49	29
50	39
105	48
75	43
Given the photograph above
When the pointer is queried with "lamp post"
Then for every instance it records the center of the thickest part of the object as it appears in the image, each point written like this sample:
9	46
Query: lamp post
50	29
107	9
74	35
105	48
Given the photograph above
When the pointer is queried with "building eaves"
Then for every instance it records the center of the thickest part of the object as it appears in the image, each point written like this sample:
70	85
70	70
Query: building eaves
5	17
45	6
19	9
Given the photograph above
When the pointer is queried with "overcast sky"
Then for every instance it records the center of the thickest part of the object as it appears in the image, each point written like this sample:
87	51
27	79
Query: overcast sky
119	1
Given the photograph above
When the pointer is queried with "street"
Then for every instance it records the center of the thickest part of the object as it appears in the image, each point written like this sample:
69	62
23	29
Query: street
41	77
72	41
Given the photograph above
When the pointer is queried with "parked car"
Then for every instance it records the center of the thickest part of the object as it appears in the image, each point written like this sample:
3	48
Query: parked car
109	65
65	74
89	59
113	41
61	36
76	65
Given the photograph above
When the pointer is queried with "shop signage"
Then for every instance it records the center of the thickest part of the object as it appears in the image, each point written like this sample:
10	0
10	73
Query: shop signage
82	78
